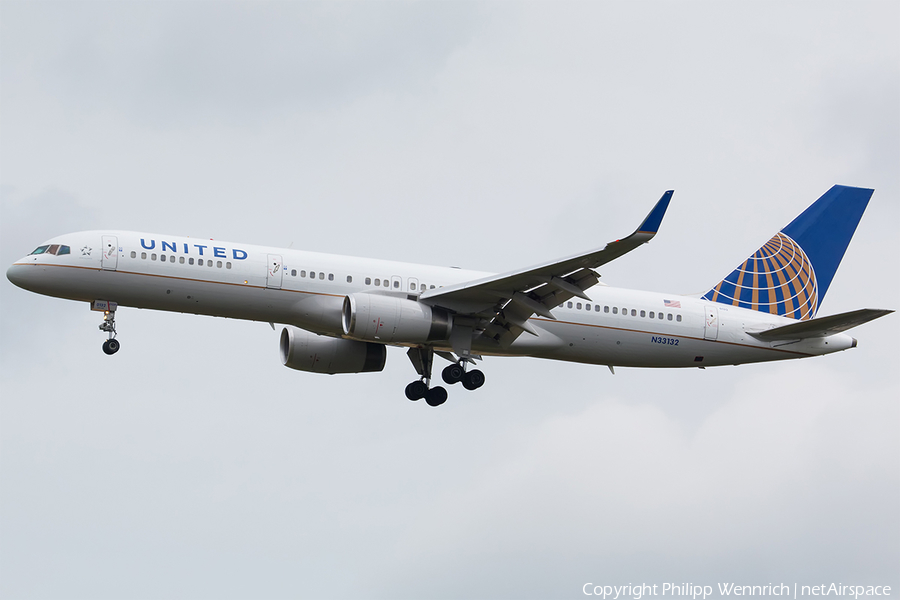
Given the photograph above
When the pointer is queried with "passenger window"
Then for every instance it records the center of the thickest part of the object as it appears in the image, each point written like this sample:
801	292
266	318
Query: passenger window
228	265
144	256
331	277
133	254
423	287
633	312
209	262
643	314
302	273
162	258
377	281
67	250
172	258
412	286
293	272
670	316
369	281
569	304
597	308
652	315
321	275
431	287
218	264
396	284
387	283
678	318
180	260
153	256
606	309
190	261
349	278
615	310
578	306
660	316
200	262
312	274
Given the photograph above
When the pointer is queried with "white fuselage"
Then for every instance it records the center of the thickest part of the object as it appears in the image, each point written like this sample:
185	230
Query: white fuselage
617	327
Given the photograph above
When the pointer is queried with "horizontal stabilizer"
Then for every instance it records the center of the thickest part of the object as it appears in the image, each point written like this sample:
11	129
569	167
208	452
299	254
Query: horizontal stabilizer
822	326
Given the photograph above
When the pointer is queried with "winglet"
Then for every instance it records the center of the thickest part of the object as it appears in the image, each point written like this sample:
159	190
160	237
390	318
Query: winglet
654	219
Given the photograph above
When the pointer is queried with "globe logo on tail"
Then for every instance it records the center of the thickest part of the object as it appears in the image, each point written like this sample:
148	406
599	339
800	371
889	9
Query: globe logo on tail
778	279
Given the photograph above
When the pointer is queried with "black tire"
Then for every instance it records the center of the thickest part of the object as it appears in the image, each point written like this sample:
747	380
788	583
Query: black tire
436	396
113	345
473	380
416	390
106	348
452	374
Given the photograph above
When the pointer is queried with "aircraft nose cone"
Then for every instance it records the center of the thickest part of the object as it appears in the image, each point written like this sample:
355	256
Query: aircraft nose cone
19	275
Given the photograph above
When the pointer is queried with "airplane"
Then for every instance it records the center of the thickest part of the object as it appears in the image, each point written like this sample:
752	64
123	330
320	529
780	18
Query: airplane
339	313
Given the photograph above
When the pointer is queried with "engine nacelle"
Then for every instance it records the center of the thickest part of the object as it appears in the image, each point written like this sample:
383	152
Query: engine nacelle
307	351
389	319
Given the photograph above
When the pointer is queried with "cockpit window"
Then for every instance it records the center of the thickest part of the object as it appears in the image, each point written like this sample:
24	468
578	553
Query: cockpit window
56	249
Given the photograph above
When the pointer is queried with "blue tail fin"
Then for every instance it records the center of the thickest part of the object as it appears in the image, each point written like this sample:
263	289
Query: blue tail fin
791	273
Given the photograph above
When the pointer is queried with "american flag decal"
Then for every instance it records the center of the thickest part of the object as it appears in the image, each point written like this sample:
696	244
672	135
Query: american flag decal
672	303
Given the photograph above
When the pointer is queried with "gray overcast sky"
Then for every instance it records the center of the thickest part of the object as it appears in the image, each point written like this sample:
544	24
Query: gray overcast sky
486	135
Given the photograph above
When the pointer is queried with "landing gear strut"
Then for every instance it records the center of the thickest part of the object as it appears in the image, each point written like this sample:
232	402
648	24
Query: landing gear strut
422	359
111	345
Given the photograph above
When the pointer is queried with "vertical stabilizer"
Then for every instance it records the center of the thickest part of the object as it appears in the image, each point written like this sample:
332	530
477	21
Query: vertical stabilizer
790	274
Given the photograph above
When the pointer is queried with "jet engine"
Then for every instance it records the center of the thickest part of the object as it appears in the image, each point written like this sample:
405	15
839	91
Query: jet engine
307	351
387	319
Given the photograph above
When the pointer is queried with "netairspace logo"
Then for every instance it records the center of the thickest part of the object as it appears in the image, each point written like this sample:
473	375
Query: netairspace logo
685	590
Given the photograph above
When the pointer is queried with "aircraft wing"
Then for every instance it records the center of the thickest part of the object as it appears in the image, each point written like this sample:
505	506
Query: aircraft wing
498	307
822	326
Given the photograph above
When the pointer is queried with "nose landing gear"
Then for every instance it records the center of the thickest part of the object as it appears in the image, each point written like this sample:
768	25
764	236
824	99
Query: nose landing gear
111	345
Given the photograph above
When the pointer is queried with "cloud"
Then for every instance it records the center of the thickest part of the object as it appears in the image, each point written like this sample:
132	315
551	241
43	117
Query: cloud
491	136
240	64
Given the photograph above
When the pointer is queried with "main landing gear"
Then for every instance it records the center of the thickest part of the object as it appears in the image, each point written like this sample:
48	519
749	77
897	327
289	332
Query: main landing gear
471	380
433	396
423	359
111	345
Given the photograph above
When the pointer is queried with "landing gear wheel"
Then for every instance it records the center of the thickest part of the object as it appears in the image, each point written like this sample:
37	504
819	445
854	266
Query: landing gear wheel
416	390
452	374
111	346
473	380
436	396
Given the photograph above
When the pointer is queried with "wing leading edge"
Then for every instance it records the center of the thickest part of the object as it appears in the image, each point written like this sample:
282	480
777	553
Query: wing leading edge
496	308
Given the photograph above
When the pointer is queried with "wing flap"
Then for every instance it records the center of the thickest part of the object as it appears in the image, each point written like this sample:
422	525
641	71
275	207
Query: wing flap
822	326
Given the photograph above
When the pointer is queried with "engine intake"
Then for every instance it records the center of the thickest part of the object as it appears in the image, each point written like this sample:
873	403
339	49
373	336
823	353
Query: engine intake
307	351
387	319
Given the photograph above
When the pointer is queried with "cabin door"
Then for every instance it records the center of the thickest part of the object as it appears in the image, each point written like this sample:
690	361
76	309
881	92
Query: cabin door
711	330
110	246
275	272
